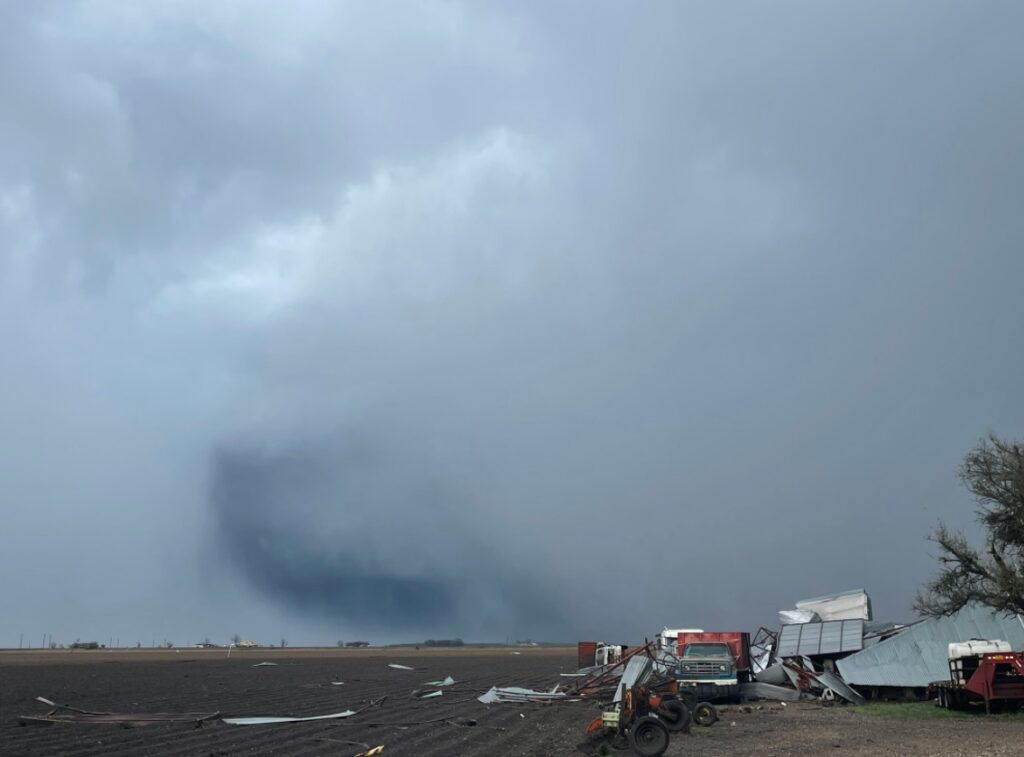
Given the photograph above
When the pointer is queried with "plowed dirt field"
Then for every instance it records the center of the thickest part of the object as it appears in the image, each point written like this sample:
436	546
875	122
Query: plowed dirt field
302	684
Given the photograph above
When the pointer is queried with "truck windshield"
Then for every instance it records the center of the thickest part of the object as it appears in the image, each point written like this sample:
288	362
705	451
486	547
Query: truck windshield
707	650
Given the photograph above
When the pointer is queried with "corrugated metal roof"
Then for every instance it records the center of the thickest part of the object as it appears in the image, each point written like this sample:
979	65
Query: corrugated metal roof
918	655
830	637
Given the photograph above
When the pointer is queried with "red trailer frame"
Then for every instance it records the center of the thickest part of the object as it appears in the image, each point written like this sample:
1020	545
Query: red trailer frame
999	676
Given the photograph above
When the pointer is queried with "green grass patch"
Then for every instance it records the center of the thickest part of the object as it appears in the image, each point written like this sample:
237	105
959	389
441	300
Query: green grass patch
928	711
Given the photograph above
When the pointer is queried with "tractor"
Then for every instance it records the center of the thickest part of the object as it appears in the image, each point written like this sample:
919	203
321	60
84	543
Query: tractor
644	720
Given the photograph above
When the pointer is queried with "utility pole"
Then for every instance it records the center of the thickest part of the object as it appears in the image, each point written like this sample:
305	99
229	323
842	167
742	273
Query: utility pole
21	639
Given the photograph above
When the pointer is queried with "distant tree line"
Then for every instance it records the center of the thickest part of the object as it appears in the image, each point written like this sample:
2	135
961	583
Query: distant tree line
443	643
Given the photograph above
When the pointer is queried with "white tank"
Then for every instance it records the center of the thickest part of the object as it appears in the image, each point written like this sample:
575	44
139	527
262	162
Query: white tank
961	649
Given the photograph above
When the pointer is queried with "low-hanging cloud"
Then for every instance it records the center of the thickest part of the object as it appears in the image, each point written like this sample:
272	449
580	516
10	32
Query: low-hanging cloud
489	321
339	528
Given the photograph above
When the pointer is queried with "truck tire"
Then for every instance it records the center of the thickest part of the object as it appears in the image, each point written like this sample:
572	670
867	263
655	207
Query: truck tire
675	715
649	737
705	714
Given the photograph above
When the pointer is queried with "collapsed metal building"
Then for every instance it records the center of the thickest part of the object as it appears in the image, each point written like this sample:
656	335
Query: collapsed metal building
917	655
835	637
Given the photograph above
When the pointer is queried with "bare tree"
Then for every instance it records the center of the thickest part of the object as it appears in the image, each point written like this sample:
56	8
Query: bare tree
236	639
994	574
284	643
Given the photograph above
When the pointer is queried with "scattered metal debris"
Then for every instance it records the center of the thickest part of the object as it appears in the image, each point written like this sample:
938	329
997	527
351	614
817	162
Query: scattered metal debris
63	713
759	690
448	681
264	664
518	694
846	605
396	666
287	719
832	682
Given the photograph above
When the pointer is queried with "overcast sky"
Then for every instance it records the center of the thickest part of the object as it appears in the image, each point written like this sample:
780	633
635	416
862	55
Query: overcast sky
548	319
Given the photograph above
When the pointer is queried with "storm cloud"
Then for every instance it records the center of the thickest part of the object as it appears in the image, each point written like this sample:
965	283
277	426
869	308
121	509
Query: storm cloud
543	319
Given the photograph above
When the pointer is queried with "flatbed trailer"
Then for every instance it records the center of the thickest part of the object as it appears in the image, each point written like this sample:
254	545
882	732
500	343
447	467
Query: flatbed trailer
996	677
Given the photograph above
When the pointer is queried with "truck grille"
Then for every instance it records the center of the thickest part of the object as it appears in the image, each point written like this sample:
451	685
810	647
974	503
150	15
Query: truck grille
703	667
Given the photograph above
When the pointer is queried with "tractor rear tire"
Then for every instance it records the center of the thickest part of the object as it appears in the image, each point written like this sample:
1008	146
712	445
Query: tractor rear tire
675	715
705	714
649	736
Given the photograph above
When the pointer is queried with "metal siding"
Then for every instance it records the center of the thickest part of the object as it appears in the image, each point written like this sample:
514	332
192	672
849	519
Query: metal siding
789	641
831	637
918	655
810	639
853	636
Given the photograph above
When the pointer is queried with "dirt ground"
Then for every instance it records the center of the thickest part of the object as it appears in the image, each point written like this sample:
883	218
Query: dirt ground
301	684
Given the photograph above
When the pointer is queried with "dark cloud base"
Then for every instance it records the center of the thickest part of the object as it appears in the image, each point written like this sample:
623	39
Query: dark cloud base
311	526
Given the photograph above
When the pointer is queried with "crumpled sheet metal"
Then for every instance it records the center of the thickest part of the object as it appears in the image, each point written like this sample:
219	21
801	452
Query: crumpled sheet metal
519	694
286	719
120	718
840	687
63	713
638	670
760	690
846	605
773	674
805	678
448	681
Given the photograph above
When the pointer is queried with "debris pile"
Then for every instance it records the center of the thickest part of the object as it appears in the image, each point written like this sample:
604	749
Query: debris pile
828	648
